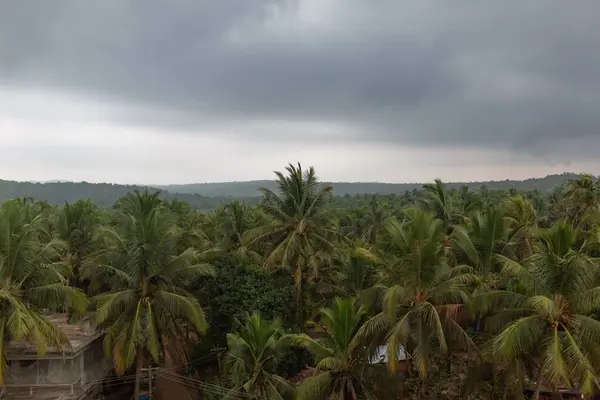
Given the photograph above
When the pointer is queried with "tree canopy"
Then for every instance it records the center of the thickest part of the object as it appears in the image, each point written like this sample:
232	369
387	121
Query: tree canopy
486	290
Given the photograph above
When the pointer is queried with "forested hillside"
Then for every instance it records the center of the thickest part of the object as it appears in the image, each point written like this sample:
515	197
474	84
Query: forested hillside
207	196
440	293
103	194
250	188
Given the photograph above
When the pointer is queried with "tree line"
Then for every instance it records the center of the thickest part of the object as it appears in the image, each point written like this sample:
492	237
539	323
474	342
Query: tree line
487	293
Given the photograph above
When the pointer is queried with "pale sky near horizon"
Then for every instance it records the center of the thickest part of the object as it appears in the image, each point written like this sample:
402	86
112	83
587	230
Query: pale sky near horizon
182	91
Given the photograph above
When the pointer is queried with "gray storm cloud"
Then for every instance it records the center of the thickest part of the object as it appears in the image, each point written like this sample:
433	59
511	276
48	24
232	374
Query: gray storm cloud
521	76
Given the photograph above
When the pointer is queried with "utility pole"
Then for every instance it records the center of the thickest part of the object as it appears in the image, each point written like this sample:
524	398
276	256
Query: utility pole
150	383
149	370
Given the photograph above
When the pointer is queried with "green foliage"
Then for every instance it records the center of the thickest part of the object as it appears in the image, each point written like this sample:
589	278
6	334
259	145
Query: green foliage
499	281
238	290
31	279
253	355
300	236
342	356
147	311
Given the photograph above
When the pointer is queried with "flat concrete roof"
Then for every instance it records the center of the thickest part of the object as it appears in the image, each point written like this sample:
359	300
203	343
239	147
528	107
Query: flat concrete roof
80	333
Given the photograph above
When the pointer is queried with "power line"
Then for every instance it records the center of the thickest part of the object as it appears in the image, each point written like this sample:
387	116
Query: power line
198	384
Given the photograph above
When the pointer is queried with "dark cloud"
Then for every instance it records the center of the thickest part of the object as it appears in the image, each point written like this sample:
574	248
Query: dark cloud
506	74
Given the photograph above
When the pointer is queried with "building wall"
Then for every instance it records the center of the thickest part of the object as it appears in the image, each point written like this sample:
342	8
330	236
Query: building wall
47	377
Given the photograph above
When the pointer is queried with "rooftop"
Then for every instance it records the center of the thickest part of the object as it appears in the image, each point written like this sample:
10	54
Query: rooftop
80	333
380	355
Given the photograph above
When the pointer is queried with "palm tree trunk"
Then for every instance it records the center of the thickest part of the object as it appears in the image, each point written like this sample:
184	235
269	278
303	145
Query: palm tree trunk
299	303
138	373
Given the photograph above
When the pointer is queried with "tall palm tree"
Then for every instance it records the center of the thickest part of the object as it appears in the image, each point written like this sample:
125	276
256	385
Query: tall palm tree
522	222
343	370
550	322
467	202
483	242
301	238
235	220
423	298
75	226
147	306
439	200
354	274
373	218
583	198
31	280
189	222
254	352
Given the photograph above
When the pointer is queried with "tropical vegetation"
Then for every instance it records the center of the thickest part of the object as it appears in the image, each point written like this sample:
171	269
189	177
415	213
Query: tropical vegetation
438	292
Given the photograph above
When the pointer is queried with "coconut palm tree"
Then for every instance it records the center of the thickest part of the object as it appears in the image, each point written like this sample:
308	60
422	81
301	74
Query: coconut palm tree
482	243
300	238
521	221
343	370
235	220
467	202
422	297
189	222
550	322
31	280
353	273
583	197
254	352
373	218
439	200
147	306
75	226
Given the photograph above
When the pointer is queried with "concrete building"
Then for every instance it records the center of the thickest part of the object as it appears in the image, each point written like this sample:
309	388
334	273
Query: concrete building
72	373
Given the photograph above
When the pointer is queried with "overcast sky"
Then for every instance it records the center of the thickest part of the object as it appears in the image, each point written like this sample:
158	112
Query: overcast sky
177	91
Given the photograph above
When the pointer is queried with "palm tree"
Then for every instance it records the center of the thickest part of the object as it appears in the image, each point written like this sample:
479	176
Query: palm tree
235	220
582	197
354	274
422	297
522	222
482	243
467	203
299	235
440	202
550	322
372	220
75	227
254	352
343	370
189	222
31	280
147	306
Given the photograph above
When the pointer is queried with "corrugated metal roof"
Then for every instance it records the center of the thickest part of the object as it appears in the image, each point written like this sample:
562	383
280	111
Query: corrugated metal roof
381	355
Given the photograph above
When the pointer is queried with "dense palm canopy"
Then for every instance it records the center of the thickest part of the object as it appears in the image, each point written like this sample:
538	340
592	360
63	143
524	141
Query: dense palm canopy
488	292
423	297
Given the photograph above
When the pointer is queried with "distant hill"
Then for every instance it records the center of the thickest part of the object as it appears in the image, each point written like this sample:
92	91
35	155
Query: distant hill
206	196
103	194
250	188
